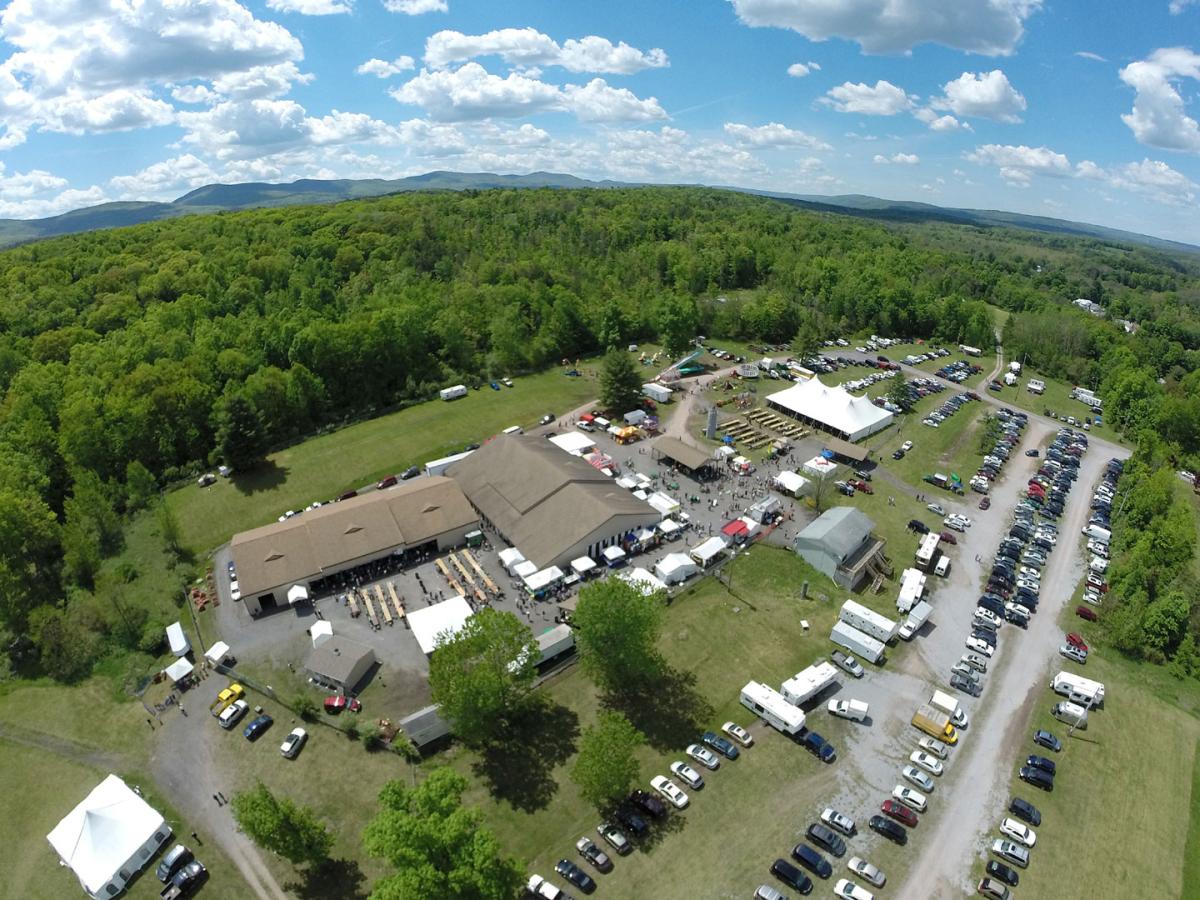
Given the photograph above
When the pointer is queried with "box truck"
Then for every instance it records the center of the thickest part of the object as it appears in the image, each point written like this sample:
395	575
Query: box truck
454	392
949	704
868	621
772	708
934	723
1070	714
856	642
848	709
916	620
1078	689
810	682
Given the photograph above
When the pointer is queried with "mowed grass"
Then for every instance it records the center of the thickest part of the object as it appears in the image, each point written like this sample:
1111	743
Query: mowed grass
323	467
1118	818
1057	399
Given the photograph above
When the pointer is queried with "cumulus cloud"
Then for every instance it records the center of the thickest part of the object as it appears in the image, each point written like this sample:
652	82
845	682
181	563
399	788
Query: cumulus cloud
164	180
1150	177
884	99
772	135
528	47
37	193
1018	164
990	27
312	7
1158	117
381	68
471	92
900	159
241	129
801	70
1178	6
986	95
415	7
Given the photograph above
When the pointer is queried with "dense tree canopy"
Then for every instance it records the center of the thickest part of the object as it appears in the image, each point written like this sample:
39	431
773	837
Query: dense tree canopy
616	629
279	825
607	768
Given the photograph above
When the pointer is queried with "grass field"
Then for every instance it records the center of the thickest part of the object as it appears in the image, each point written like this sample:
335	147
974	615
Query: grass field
323	467
1057	399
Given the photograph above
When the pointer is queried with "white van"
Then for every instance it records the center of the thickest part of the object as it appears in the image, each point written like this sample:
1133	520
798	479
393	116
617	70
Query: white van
943	566
513	429
1070	714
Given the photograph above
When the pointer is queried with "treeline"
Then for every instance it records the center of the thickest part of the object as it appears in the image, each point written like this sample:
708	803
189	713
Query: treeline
130	358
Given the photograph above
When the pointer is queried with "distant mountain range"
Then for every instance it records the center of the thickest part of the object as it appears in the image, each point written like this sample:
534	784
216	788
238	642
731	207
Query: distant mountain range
251	195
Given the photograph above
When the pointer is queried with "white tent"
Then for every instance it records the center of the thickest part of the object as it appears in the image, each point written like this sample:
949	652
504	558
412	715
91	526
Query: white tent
177	640
675	567
643	580
524	569
791	483
297	593
509	557
833	407
613	556
723	451
430	622
321	631
628	482
820	467
709	552
108	837
539	581
582	566
670	528
574	442
664	503
217	652
179	670
642	494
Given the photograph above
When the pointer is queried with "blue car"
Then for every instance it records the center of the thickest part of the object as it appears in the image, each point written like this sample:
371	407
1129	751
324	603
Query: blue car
720	744
255	729
819	747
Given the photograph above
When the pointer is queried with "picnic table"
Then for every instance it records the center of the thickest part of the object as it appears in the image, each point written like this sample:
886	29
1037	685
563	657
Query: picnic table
488	583
370	609
462	570
355	612
396	600
441	567
383	607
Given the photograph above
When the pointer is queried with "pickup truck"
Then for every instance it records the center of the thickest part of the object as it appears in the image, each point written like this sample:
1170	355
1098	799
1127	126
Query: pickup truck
184	881
848	709
541	888
847	663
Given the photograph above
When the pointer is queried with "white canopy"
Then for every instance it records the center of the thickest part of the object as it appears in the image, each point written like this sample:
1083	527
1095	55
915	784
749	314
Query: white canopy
103	834
541	580
709	550
612	554
177	640
675	567
297	593
321	631
834	407
642	494
791	483
217	652
574	442
179	670
430	622
669	527
583	565
524	568
643	580
664	503
820	467
628	482
724	450
509	557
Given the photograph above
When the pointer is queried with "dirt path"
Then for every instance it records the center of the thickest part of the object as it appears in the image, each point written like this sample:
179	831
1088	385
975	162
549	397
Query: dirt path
183	765
64	747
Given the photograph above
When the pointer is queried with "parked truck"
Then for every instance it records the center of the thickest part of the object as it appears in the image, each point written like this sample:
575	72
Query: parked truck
1078	689
868	621
810	682
934	723
949	704
1070	714
540	887
848	709
1096	533
865	646
916	620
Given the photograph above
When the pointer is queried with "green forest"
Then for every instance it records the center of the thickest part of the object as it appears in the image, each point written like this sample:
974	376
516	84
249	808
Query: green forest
129	359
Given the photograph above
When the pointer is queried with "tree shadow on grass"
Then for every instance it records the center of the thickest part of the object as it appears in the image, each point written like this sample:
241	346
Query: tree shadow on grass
667	709
334	879
518	767
265	476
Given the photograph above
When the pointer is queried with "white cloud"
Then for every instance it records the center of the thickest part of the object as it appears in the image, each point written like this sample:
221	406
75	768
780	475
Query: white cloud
884	99
990	27
1088	54
772	135
1158	117
312	7
939	123
900	159
381	68
415	7
164	180
801	70
241	129
471	92
1150	177
987	95
1019	164
260	81
529	47
194	93
1178	6
37	193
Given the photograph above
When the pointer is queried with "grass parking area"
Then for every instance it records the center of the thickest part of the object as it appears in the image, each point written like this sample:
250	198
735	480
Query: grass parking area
1137	756
1056	399
324	466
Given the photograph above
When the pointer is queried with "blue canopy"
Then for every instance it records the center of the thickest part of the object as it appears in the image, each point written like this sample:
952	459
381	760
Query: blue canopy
828	454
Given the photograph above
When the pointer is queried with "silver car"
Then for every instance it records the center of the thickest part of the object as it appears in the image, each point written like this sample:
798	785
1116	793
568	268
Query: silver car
1073	653
704	756
917	777
975	661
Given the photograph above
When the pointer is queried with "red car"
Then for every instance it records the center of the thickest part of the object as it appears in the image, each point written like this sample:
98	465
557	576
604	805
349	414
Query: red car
862	486
948	537
337	703
1076	640
900	813
1084	613
387	482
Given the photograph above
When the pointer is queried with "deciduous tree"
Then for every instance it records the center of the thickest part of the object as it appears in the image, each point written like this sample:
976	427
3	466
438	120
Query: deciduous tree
617	629
281	826
606	767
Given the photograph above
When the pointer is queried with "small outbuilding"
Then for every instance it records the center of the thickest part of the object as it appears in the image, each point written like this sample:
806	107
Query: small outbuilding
341	663
321	631
840	544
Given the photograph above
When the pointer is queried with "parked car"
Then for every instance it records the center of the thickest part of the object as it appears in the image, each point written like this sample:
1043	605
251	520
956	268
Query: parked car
1013	853
910	797
1025	810
293	743
1040	762
847	663
231	714
989	887
866	871
964	683
338	702
387	482
926	762
669	789
766	892
255	729
648	803
981	647
738	733
704	756
839	821
996	869
889	830
899	812
1073	653
614	837
1043	738
188	878
588	850
824	837
575	875
812	860
174	860
687	775
1076	640
975	661
935	508
791	876
933	746
1018	831
819	747
632	821
851	891
720	744
1037	778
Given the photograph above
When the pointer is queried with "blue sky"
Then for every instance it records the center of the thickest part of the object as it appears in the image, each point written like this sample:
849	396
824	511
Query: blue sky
1070	109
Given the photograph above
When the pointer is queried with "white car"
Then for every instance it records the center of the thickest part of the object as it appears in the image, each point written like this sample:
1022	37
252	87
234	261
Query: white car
917	777
1030	573
976	662
292	744
906	446
981	647
1018	831
232	713
738	733
860	349
687	775
866	871
848	889
910	798
670	790
838	821
950	522
988	616
704	756
1073	653
235	590
933	746
965	521
926	762
935	508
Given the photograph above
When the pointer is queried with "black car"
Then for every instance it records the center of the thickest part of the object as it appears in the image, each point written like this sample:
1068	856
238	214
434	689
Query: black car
648	804
819	747
991	604
1043	738
575	875
1001	871
177	857
189	877
791	876
893	831
898	454
1037	778
812	860
918	526
720	744
827	838
1025	811
988	637
410	472
1040	762
634	823
1027	600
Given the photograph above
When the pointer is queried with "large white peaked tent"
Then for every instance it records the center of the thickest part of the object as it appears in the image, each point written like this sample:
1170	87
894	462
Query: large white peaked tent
833	408
108	837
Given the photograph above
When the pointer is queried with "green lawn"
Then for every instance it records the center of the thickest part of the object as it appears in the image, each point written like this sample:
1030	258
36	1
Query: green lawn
1057	399
323	467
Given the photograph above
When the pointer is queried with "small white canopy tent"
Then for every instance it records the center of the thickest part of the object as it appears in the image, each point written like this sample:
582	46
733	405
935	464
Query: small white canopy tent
643	580
431	622
177	640
820	467
676	567
708	552
613	556
582	566
574	442
509	557
179	670
791	483
321	631
524	569
217	652
669	528
539	581
724	451
297	593
664	503
628	482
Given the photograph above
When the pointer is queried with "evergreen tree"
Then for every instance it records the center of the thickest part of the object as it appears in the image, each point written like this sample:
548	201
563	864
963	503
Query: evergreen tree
241	437
620	383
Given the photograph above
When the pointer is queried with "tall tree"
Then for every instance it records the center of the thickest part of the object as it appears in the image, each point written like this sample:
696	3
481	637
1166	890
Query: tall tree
241	435
606	767
483	675
617	629
438	847
620	383
676	325
897	391
279	825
